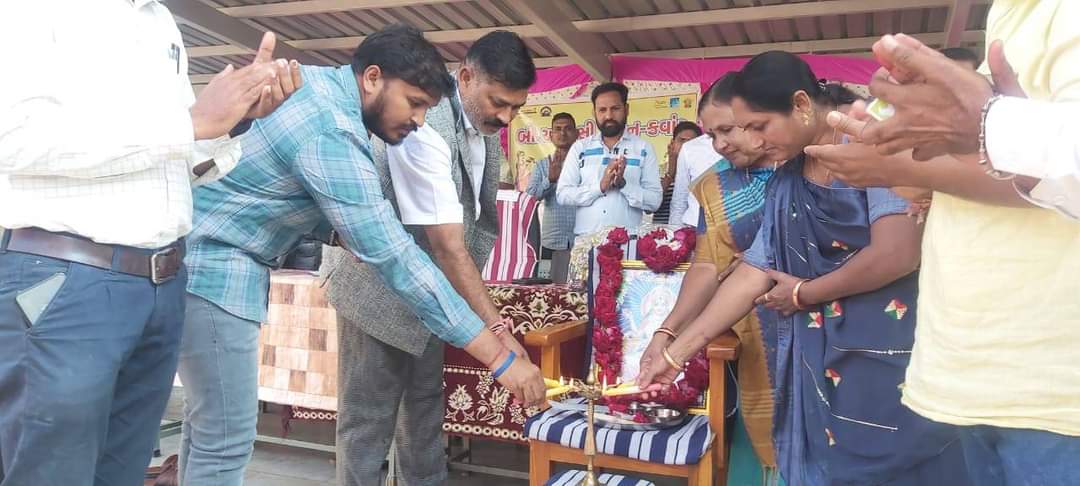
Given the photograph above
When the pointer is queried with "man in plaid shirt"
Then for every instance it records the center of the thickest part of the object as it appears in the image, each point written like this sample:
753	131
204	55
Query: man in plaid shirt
309	168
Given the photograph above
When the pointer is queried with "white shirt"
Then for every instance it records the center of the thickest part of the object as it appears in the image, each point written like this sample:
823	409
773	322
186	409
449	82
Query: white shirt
422	171
95	134
695	157
579	183
478	152
1040	139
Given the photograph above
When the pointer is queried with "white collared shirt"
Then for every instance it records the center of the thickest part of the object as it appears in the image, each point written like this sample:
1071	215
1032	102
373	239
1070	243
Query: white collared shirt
422	171
95	134
1040	139
579	183
695	157
476	150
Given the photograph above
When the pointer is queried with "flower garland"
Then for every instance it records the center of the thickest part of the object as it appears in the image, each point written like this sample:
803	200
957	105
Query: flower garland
662	250
607	335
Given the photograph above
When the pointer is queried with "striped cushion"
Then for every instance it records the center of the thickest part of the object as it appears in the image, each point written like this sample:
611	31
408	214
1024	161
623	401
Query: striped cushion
677	446
574	478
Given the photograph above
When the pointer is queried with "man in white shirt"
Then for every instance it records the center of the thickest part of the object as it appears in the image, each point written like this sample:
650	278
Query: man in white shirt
613	176
695	158
673	200
100	165
444	179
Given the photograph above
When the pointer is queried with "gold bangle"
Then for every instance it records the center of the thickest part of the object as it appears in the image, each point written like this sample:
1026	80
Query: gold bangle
671	361
669	332
795	294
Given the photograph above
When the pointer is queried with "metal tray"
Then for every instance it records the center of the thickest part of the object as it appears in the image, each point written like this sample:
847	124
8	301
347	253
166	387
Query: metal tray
664	418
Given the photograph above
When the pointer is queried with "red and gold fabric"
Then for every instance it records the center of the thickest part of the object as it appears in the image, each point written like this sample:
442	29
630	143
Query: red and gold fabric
298	355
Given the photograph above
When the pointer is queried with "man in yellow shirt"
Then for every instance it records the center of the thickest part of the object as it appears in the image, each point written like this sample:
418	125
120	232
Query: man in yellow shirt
996	344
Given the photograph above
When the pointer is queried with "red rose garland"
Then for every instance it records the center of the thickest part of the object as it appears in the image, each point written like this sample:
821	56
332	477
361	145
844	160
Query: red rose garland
662	253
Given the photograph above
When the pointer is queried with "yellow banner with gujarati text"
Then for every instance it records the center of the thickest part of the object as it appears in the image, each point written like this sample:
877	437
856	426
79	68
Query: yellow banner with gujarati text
652	118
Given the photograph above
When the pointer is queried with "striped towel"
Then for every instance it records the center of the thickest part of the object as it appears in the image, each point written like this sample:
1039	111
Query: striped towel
676	446
575	477
513	257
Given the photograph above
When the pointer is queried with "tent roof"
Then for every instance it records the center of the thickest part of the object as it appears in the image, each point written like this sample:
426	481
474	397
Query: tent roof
558	32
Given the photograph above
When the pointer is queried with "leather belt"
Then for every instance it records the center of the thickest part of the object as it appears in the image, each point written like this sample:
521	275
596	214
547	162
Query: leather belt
159	266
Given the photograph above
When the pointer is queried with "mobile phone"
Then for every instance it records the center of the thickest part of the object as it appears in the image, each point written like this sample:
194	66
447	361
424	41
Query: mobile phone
33	301
531	281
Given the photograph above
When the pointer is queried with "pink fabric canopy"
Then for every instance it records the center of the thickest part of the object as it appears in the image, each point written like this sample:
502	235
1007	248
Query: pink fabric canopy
705	71
702	71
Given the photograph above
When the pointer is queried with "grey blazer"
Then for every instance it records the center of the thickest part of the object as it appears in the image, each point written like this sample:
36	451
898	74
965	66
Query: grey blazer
357	292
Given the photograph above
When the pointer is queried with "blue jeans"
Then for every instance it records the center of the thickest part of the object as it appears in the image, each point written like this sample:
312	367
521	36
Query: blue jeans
1020	457
83	389
220	375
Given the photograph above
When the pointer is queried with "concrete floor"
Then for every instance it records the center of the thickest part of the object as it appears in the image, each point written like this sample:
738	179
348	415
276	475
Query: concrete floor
279	465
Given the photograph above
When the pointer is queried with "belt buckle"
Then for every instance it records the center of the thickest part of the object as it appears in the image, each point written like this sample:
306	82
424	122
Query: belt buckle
155	277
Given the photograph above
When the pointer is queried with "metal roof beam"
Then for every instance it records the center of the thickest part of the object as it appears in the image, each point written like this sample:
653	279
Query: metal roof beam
235	32
588	50
620	24
307	7
862	44
959	13
815	46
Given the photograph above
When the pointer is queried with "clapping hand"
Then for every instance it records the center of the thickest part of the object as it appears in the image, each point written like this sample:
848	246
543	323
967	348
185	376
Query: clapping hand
855	163
554	168
250	92
620	179
612	173
938	104
288	81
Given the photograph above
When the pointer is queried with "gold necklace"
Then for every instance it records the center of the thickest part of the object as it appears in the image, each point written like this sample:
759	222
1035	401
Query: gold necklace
828	172
814	171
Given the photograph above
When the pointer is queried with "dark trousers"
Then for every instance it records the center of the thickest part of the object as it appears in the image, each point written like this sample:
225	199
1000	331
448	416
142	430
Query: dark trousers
1020	457
560	263
83	389
386	393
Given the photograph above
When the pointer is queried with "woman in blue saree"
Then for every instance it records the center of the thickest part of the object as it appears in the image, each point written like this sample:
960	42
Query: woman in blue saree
731	194
838	264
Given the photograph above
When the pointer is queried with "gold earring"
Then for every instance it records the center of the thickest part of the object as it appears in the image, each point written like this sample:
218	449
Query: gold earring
806	119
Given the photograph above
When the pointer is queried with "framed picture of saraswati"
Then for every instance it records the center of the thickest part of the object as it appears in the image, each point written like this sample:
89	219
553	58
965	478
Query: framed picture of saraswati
645	300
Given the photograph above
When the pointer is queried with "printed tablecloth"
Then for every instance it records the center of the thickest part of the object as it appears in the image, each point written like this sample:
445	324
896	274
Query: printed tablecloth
476	406
298	354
